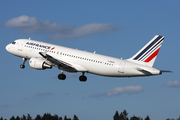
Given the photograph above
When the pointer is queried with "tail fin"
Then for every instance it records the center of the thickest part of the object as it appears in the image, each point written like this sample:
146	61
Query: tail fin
147	55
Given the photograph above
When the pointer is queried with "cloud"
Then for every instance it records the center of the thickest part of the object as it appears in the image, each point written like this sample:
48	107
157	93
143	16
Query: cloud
119	91
26	24
43	94
31	25
89	29
21	21
172	84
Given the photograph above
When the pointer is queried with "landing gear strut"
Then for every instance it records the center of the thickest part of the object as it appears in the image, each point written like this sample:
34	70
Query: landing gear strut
83	78
62	76
22	66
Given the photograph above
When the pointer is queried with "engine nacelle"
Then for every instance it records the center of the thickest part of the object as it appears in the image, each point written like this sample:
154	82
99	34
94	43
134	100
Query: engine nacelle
39	64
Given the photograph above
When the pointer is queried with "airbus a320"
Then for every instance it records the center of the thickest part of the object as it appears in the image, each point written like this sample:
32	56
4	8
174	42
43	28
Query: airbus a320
43	56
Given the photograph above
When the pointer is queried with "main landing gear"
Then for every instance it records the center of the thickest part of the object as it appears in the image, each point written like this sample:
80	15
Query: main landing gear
62	76
22	66
83	78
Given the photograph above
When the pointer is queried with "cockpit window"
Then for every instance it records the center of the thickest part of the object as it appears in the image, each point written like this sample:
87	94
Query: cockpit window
13	43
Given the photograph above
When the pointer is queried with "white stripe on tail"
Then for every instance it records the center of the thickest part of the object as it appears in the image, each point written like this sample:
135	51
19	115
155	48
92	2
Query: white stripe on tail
147	55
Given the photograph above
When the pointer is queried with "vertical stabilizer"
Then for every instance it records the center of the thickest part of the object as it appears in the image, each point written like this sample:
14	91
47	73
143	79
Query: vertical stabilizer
147	55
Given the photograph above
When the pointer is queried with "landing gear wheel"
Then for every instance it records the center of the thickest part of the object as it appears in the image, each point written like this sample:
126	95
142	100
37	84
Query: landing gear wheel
83	78
22	66
61	76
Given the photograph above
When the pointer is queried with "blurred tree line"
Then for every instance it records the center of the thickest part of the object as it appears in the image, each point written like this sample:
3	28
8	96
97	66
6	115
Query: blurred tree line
46	116
124	116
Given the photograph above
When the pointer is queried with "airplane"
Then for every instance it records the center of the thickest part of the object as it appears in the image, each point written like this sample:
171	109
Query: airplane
43	56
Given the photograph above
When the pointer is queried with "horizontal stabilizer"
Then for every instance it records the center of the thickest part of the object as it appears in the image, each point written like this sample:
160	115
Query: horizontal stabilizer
144	71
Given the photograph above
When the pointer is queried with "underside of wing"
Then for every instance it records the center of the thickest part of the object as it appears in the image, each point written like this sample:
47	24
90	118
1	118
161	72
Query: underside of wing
63	65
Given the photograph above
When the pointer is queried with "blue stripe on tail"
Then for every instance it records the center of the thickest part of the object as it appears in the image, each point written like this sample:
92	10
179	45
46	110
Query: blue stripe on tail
148	47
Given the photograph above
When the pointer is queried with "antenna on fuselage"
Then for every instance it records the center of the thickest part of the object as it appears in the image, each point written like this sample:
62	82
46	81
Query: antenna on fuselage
29	38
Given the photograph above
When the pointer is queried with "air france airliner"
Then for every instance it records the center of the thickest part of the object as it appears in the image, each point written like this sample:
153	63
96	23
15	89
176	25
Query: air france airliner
43	56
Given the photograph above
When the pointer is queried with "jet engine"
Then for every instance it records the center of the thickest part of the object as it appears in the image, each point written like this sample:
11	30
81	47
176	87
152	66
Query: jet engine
39	64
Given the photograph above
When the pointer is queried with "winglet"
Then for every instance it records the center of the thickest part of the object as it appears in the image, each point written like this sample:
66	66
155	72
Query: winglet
147	55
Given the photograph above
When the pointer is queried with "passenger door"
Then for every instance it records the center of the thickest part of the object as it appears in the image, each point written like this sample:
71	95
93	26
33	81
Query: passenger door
121	67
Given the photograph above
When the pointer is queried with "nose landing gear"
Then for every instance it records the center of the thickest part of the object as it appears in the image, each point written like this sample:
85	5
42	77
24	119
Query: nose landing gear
22	66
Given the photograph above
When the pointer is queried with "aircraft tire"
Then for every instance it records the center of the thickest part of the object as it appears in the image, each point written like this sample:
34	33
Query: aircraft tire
83	78
61	76
22	66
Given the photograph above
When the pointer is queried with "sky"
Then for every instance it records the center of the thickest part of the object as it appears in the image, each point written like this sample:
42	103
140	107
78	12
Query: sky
114	28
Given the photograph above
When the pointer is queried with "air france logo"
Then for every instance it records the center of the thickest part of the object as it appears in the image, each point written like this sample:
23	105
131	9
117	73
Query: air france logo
53	48
39	45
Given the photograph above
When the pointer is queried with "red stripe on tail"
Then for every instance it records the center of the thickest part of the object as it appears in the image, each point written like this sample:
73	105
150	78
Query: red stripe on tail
152	56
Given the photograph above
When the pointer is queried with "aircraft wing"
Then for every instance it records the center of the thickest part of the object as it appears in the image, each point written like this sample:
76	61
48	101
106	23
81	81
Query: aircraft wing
63	65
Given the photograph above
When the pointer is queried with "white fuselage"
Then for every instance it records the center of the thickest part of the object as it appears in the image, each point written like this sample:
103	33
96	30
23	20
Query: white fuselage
83	61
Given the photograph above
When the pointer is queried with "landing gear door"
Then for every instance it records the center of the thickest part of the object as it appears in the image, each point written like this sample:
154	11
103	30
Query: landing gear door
121	67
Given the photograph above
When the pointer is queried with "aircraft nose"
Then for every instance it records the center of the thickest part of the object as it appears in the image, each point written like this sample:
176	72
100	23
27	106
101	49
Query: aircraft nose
7	48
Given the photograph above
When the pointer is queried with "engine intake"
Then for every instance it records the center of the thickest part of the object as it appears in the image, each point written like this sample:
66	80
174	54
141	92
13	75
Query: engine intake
39	64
